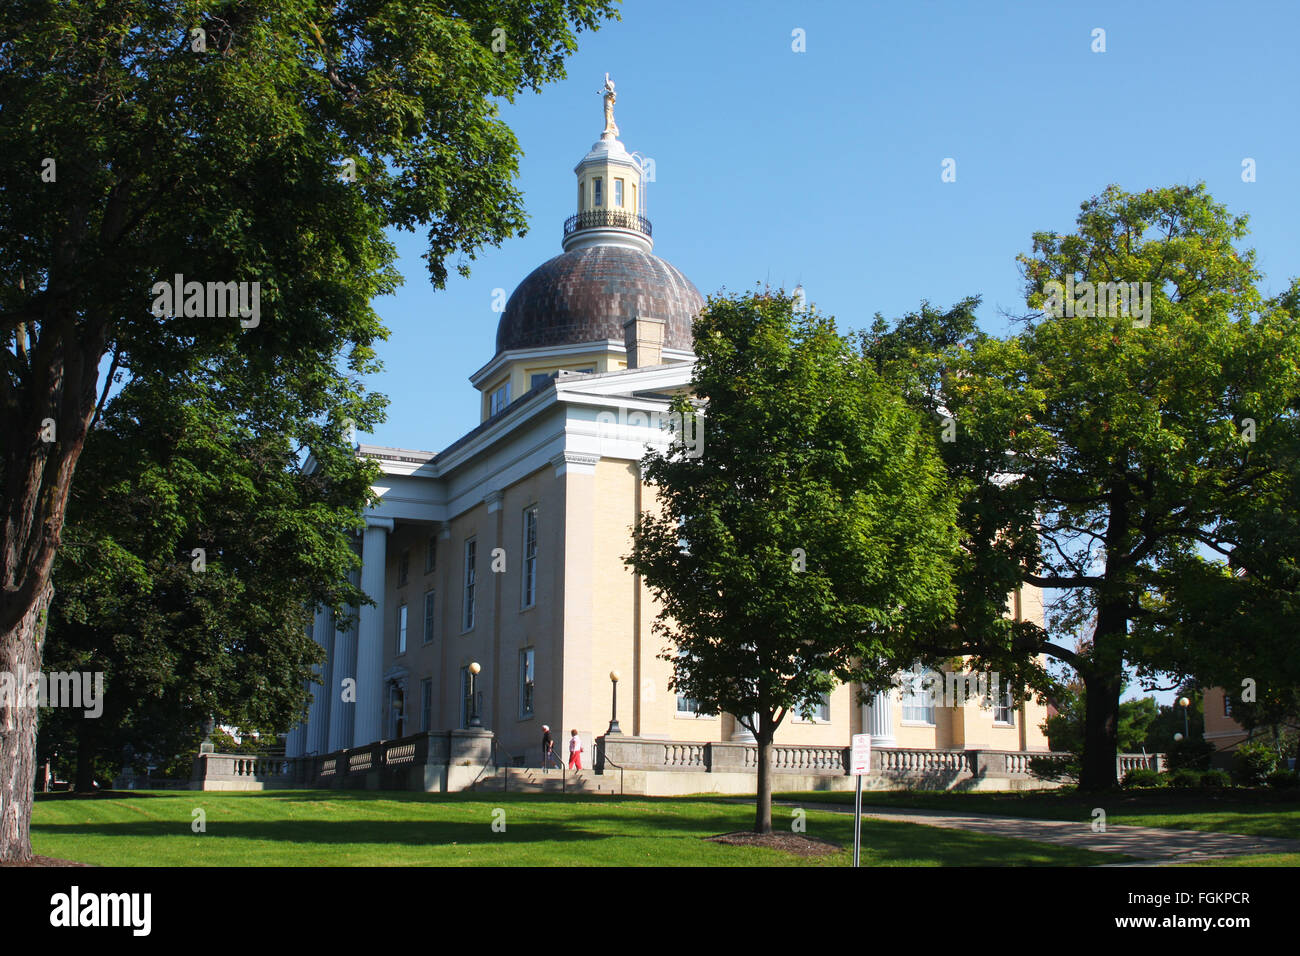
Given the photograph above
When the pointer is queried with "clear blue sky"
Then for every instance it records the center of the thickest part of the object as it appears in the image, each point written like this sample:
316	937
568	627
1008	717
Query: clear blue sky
823	167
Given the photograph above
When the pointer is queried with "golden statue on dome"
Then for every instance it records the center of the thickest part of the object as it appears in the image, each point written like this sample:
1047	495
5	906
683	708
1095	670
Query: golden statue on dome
611	128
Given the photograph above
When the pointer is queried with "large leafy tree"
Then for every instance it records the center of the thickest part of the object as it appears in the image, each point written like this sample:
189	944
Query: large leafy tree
1117	441
817	520
267	141
171	469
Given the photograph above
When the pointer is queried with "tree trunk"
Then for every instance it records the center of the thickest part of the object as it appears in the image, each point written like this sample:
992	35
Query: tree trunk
1100	732
763	806
20	657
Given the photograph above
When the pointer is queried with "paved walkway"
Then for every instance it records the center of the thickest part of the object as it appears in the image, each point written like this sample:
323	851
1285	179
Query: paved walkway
1149	846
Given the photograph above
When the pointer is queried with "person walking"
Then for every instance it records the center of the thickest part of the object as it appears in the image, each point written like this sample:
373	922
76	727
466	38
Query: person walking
575	751
548	750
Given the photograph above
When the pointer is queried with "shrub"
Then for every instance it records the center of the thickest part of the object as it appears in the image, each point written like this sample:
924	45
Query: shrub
1055	768
1252	763
1192	754
1283	779
1141	777
1213	779
1186	777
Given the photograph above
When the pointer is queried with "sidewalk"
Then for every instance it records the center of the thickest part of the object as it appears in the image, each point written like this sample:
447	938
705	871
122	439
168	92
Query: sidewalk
1147	845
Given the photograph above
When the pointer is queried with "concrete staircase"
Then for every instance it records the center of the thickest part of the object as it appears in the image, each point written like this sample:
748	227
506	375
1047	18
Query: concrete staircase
533	780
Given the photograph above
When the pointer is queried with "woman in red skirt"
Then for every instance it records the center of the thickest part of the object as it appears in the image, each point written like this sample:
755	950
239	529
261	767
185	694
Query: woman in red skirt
575	751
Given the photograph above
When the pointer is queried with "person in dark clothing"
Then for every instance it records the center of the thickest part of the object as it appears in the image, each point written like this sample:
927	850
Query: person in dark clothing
548	749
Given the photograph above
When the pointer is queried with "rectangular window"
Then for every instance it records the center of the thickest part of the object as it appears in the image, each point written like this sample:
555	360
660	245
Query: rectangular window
431	555
688	705
530	557
597	199
401	629
499	400
918	696
471	549
527	680
428	617
396	707
1004	712
466	703
822	712
540	378
1227	703
404	567
582	200
426	703
618	193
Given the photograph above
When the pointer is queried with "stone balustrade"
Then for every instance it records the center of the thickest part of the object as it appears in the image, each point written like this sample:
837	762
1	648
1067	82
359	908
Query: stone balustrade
914	767
428	761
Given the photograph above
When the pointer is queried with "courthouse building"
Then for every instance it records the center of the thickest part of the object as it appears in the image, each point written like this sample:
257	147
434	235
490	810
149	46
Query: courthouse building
506	548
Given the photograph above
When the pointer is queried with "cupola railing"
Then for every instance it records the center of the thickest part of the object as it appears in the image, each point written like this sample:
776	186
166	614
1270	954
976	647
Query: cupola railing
597	218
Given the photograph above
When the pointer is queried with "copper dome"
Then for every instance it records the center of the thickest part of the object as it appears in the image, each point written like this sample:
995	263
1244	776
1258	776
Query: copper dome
588	294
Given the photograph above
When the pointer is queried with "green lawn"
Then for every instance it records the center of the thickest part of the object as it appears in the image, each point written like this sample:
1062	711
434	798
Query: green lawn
336	828
1274	813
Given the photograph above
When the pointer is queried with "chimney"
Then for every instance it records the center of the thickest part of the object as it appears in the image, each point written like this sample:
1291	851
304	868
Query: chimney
643	337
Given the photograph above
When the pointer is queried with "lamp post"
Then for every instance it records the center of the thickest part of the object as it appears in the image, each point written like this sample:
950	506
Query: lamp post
613	716
474	720
1184	703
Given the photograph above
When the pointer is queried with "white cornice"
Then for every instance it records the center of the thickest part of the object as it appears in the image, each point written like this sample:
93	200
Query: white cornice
502	359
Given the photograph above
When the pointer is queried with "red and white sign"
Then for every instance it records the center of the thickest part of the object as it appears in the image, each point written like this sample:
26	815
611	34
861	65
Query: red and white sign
860	762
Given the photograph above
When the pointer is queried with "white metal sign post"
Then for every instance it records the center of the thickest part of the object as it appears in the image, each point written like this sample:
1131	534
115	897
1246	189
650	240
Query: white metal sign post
859	766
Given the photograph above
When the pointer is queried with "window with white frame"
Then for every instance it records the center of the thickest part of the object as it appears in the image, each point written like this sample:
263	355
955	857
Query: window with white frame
688	706
597	199
527	681
819	714
618	193
471	553
401	629
396	708
499	399
466	696
529	597
918	695
1004	711
426	703
428	617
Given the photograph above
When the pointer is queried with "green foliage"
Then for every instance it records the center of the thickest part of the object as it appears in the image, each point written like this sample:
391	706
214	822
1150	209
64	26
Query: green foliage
817	521
1186	777
1048	768
1141	778
1215	779
1102	426
1065	728
1252	763
1190	753
1283	780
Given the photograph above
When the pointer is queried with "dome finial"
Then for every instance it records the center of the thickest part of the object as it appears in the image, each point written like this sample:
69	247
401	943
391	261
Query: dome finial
611	128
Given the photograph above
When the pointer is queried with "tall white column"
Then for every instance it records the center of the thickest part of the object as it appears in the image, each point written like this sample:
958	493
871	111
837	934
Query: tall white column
318	717
370	634
880	720
343	712
740	733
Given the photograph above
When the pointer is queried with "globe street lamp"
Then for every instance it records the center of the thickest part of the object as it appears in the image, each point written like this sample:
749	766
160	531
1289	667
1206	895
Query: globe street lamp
1184	703
613	716
474	668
